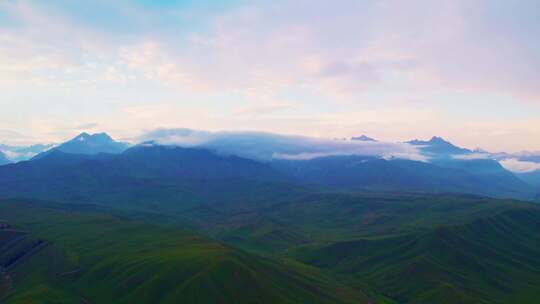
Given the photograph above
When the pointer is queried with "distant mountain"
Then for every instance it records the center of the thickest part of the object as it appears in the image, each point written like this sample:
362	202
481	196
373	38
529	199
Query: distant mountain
535	158
267	146
439	146
363	138
177	178
353	173
171	161
88	144
142	177
3	159
532	178
142	161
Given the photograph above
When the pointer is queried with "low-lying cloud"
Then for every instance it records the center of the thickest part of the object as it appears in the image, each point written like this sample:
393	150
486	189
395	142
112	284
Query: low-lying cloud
471	156
268	146
519	166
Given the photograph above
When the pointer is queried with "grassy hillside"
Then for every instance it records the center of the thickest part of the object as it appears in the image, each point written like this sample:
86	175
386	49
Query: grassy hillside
331	217
57	256
491	259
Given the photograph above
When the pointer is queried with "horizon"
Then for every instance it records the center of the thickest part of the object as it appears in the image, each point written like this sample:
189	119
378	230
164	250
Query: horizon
396	72
139	138
267	146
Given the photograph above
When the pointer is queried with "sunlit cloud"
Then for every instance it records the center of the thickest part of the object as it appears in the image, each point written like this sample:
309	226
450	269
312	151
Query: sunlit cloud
472	156
518	166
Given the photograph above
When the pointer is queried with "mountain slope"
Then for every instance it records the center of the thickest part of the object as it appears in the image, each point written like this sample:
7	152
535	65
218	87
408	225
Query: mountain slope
533	178
438	146
88	144
353	173
72	257
150	178
493	259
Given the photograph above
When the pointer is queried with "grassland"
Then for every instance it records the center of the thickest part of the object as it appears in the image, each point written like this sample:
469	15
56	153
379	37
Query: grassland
96	258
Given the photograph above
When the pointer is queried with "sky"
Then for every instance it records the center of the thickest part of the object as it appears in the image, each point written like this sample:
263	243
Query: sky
468	71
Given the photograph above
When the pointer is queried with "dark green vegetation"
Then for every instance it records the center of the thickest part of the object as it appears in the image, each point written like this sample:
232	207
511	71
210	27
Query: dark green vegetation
492	259
55	256
397	248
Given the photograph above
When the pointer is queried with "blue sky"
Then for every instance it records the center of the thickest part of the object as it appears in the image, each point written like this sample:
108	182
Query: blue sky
394	70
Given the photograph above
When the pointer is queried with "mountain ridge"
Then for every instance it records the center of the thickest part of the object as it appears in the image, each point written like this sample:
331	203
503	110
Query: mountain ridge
89	144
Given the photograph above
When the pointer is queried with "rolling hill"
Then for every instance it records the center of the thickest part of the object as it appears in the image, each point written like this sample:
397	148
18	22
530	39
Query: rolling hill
402	247
50	255
493	259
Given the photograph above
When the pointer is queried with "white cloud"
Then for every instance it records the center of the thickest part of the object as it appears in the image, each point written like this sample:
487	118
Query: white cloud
406	155
515	165
264	109
265	146
471	156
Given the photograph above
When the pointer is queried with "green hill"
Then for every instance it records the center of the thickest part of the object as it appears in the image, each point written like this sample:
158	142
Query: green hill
491	259
56	256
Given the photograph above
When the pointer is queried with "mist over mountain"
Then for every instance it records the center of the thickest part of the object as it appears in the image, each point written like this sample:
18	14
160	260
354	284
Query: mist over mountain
334	165
437	146
20	153
268	146
435	165
363	138
3	159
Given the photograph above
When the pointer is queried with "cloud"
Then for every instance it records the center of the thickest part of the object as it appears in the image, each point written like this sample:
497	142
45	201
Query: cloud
338	49
16	156
472	156
344	48
263	109
515	165
9	137
266	146
87	126
411	155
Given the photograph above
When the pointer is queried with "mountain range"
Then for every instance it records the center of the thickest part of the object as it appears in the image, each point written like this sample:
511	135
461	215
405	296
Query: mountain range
84	154
267	147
